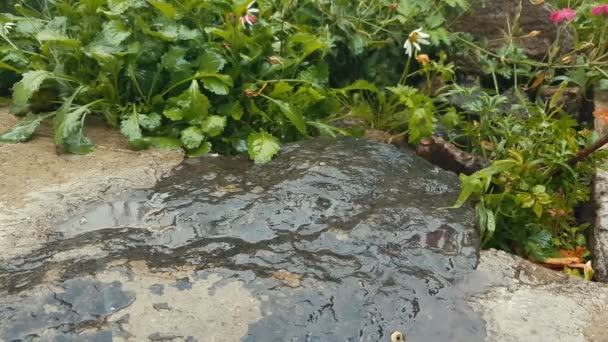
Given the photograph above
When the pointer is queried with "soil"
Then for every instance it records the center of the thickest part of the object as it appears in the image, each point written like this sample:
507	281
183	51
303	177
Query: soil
40	187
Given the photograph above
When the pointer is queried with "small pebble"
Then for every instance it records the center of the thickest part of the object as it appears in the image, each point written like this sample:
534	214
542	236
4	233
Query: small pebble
397	337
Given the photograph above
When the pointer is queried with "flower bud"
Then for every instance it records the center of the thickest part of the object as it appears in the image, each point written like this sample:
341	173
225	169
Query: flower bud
423	59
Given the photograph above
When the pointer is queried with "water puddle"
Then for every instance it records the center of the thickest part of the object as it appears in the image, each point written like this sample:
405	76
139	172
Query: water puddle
340	241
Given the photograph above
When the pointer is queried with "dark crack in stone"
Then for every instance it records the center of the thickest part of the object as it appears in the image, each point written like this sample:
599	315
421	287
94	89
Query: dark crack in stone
341	240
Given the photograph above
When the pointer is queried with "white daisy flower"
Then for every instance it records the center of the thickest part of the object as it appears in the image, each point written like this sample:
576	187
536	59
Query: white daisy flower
7	27
413	41
252	8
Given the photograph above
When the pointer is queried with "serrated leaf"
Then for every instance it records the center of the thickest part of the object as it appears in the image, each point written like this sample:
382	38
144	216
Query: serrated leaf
214	125
23	130
26	88
150	121
192	137
199	151
69	129
262	146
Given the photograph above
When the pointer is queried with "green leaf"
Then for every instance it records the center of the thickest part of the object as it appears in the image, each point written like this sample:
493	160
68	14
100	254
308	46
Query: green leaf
603	84
558	94
192	137
164	142
150	121
490	225
294	116
166	8
194	104
199	151
173	114
469	185
235	110
214	125
26	88
262	146
23	130
131	129
216	83
211	62
360	85
69	128
538	209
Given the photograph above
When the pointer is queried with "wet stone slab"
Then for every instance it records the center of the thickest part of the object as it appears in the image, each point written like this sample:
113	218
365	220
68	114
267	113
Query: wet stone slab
331	241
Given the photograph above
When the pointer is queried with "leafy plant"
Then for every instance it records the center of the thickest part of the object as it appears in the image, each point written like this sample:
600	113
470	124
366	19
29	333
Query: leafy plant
200	75
527	198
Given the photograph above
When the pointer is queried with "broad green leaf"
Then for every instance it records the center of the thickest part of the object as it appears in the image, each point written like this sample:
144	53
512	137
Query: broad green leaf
281	90
192	137
262	146
214	125
538	209
48	35
26	88
308	43
173	114
216	83
211	61
114	32
194	104
199	151
175	60
166	8
23	130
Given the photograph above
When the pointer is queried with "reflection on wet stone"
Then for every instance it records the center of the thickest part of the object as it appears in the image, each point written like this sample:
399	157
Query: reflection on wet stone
331	241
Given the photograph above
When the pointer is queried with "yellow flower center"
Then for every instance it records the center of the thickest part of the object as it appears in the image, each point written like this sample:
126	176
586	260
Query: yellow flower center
414	37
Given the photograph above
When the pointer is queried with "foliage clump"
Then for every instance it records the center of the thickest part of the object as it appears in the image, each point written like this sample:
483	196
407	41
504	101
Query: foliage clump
245	76
227	76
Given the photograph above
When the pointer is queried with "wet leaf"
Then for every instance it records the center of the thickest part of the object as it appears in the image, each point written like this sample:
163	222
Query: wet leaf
262	146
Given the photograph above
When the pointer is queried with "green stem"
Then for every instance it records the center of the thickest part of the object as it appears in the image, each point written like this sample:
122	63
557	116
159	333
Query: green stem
405	70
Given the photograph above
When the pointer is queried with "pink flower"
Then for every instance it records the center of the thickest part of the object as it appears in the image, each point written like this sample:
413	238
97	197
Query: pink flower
248	19
561	15
599	10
